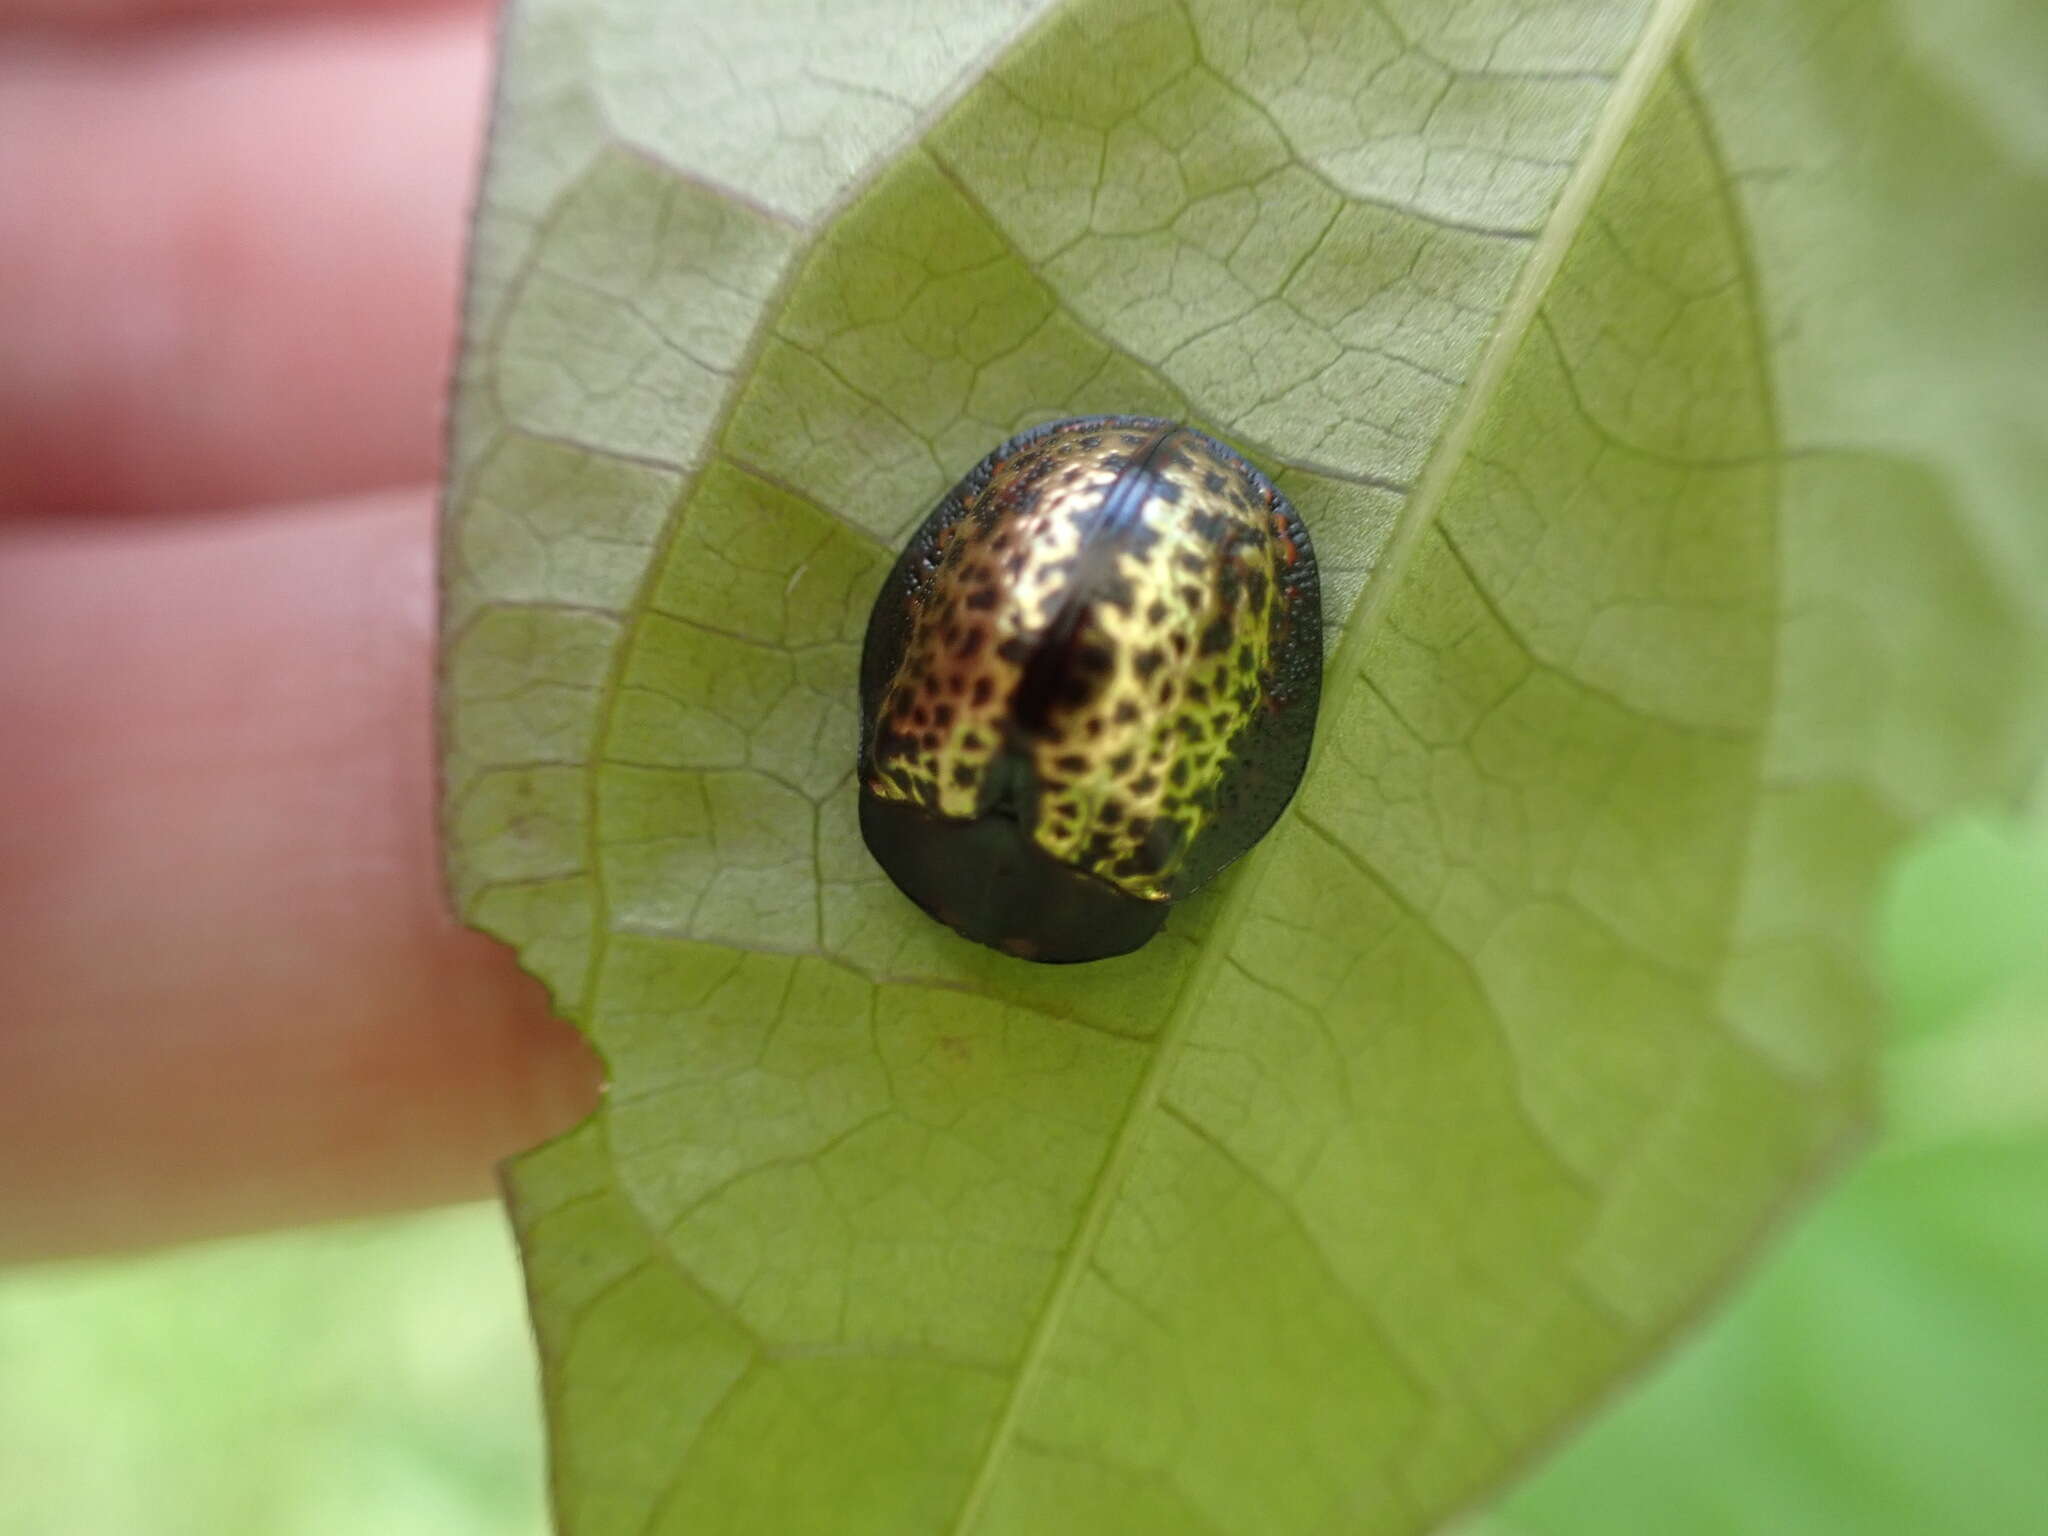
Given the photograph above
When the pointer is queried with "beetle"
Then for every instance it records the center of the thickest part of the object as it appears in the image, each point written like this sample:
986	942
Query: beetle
1089	683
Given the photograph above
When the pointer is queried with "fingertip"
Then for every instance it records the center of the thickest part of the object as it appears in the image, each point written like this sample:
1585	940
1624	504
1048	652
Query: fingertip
230	259
236	995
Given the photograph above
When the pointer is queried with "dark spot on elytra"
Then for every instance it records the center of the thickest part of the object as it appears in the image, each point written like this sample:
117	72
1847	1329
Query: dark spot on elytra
1120	765
1179	775
982	598
1192	596
1156	614
1016	650
1191	562
1144	784
1111	813
1255	589
1148	661
942	716
1212	482
1216	636
964	775
1126	711
1209	527
984	690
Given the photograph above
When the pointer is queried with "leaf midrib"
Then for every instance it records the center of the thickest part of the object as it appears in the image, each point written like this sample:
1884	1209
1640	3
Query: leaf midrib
1653	53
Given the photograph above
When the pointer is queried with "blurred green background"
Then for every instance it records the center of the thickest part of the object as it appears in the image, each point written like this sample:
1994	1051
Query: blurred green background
1885	1370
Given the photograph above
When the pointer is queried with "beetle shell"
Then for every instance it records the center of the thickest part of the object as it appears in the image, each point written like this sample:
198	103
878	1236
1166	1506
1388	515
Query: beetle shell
1089	683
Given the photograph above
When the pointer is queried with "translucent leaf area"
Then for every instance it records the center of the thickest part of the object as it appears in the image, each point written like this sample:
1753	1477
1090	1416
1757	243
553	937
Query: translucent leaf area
1661	386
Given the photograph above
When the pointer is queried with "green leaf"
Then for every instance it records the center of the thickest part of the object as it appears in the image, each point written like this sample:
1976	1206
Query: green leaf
1883	1377
1658	390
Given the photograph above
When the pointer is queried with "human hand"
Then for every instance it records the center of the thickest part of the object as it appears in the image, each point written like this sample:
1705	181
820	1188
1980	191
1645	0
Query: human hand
230	236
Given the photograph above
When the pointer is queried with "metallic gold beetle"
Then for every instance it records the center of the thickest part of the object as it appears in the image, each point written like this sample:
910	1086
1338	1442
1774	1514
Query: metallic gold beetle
1089	683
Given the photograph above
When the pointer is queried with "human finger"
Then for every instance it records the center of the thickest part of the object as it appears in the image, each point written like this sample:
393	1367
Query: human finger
234	996
229	258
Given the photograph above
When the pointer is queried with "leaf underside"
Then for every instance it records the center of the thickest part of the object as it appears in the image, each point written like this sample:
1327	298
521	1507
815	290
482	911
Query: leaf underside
1650	637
